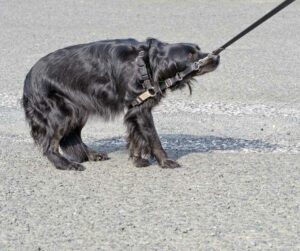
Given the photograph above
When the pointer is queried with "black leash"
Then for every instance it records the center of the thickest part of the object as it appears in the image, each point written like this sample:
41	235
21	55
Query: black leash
253	26
150	92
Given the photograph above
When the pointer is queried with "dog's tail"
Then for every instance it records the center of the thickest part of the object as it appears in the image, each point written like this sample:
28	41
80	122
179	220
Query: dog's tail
25	101
35	116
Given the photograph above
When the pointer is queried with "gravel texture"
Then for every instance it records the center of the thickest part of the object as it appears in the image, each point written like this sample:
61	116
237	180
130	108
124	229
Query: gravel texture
237	137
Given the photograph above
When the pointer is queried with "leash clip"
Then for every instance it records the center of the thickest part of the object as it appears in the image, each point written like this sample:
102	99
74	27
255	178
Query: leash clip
202	62
197	65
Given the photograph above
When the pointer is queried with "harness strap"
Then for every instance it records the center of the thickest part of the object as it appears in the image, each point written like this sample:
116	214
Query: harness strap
142	69
150	92
179	76
169	82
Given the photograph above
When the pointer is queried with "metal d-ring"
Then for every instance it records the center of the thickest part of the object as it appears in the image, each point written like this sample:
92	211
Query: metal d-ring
151	91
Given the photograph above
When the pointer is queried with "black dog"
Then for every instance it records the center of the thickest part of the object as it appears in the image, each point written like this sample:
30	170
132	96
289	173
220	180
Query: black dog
103	78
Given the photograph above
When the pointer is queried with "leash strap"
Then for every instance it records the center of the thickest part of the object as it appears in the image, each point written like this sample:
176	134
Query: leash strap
254	25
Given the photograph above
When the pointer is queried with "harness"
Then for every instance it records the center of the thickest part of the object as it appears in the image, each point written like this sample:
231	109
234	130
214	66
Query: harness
148	83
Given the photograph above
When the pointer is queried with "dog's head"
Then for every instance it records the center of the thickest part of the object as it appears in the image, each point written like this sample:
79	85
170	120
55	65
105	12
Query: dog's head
168	59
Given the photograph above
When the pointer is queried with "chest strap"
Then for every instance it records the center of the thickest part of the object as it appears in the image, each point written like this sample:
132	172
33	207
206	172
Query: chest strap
143	71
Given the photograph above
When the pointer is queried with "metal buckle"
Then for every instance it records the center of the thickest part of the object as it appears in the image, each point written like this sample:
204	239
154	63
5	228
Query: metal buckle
179	77
168	82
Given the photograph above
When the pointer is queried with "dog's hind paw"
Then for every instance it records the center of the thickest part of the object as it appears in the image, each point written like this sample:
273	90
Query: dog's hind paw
140	162
98	156
77	167
170	164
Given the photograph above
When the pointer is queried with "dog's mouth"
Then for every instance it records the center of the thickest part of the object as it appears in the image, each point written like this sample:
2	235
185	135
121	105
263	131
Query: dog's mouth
211	66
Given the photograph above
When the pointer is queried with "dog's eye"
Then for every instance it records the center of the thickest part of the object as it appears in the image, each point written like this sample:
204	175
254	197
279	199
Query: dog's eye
190	56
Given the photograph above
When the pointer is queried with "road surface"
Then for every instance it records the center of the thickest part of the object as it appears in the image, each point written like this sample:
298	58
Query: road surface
237	137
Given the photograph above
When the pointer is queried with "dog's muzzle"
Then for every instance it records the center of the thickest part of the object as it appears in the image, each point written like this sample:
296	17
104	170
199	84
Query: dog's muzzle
207	64
210	59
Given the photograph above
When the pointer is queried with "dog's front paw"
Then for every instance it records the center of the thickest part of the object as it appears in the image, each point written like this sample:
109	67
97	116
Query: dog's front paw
168	163
72	167
98	156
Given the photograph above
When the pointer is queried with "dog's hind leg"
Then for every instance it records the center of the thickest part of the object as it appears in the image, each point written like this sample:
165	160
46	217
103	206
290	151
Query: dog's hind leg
49	141
48	125
50	145
75	150
73	147
59	161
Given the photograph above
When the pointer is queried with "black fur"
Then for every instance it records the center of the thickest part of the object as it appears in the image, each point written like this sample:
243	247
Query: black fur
101	78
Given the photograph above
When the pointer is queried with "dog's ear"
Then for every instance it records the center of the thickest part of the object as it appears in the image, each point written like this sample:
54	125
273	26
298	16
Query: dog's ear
149	44
161	65
153	42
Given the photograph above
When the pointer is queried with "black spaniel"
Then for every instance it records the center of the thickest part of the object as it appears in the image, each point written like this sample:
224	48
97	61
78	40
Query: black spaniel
105	78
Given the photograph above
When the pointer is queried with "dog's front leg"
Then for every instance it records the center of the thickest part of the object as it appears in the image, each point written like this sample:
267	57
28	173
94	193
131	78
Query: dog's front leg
143	138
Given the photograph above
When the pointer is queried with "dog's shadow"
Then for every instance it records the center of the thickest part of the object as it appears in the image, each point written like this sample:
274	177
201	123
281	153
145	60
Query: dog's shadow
178	145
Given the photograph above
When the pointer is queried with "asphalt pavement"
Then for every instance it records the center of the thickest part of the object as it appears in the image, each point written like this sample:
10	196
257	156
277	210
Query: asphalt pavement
237	137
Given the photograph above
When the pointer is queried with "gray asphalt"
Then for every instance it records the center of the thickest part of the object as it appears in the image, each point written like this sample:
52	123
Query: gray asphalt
237	137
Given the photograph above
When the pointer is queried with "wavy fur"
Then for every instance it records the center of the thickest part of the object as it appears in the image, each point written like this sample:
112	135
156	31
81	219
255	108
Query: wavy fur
101	78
